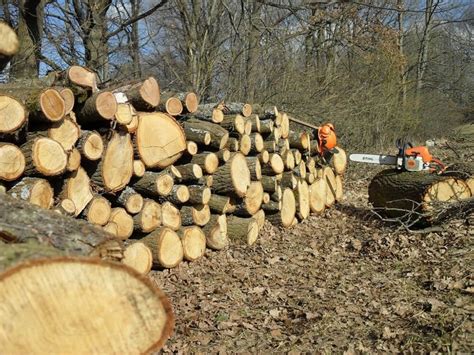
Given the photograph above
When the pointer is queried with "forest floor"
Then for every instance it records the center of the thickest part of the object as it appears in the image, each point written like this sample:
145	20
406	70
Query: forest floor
339	282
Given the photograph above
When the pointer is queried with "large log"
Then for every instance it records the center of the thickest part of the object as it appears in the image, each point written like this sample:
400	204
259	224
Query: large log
13	114
12	162
50	228
78	77
414	198
75	293
159	139
233	175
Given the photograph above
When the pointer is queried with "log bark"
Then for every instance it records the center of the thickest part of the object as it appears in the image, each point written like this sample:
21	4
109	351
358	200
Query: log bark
232	176
208	161
219	204
234	124
35	191
144	95
233	145
257	144
412	197
237	108
12	162
73	300
242	230
266	127
299	140
159	139
9	45
199	195
255	168
219	135
198	215
47	227
165	246
216	232
223	155
193	240
269	183
154	184
209	113
129	199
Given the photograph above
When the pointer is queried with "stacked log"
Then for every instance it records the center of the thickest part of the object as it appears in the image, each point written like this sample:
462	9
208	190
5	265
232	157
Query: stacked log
161	172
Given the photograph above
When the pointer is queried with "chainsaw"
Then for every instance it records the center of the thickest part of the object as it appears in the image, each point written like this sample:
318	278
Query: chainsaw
409	158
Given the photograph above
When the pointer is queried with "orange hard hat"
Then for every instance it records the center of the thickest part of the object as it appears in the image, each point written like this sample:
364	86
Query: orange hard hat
327	137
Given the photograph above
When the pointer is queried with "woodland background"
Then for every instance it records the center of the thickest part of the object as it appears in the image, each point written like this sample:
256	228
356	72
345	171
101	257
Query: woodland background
377	69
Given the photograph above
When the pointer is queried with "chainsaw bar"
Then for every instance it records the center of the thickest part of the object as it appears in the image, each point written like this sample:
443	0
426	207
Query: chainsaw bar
374	159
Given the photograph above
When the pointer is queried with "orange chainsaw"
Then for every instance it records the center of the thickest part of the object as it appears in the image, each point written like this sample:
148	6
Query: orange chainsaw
409	158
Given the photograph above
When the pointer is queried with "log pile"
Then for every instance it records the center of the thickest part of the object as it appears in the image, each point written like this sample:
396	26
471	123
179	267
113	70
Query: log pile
160	169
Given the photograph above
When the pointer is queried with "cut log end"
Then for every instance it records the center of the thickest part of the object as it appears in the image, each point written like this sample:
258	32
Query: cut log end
52	105
150	92
13	114
10	44
165	246
194	242
12	162
139	257
82	77
115	292
106	105
49	158
191	102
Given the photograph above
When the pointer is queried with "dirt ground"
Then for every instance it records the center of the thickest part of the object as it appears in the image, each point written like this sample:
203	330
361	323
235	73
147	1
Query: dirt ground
339	282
